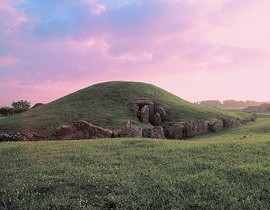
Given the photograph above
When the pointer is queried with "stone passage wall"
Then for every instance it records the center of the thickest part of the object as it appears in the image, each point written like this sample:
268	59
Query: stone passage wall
154	114
184	130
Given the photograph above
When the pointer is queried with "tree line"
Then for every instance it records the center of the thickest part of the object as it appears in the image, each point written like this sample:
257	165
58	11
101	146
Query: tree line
15	108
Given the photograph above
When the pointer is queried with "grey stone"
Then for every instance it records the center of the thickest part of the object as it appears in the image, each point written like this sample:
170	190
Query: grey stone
157	120
230	123
81	130
130	130
140	102
216	125
145	114
156	132
159	109
21	137
174	130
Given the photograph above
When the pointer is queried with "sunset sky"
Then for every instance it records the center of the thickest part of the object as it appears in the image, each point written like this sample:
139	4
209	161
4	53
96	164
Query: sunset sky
196	49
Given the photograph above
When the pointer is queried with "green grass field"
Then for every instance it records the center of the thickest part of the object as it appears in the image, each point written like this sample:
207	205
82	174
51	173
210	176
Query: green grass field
229	170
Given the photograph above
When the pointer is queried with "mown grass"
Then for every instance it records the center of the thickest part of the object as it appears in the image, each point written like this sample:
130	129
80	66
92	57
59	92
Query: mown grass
230	170
106	105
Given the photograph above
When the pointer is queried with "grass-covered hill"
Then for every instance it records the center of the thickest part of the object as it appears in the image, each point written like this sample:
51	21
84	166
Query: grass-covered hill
107	105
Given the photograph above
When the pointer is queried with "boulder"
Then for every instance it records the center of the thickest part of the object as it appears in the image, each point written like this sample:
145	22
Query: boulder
67	132
157	121
216	125
174	130
92	131
156	132
145	114
130	130
81	130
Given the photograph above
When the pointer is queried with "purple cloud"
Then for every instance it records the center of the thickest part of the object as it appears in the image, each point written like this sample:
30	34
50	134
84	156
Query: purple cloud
78	43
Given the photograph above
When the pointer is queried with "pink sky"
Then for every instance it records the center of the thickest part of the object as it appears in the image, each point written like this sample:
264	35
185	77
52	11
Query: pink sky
210	49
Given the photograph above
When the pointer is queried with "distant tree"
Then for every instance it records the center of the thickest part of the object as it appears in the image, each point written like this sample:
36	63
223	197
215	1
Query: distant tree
6	111
21	106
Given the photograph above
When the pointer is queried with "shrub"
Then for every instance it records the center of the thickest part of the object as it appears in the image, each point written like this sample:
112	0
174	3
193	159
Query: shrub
6	111
20	106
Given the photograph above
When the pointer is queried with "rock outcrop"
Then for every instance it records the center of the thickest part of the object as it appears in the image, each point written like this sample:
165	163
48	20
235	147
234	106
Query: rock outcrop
81	130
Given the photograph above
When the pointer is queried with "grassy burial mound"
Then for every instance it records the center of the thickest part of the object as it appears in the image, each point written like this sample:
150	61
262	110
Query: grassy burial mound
110	105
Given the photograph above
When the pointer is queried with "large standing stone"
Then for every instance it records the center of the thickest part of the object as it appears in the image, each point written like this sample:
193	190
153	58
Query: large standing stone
159	109
145	114
157	120
130	130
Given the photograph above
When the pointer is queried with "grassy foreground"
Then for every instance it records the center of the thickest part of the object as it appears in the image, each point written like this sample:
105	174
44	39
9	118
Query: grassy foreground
227	171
